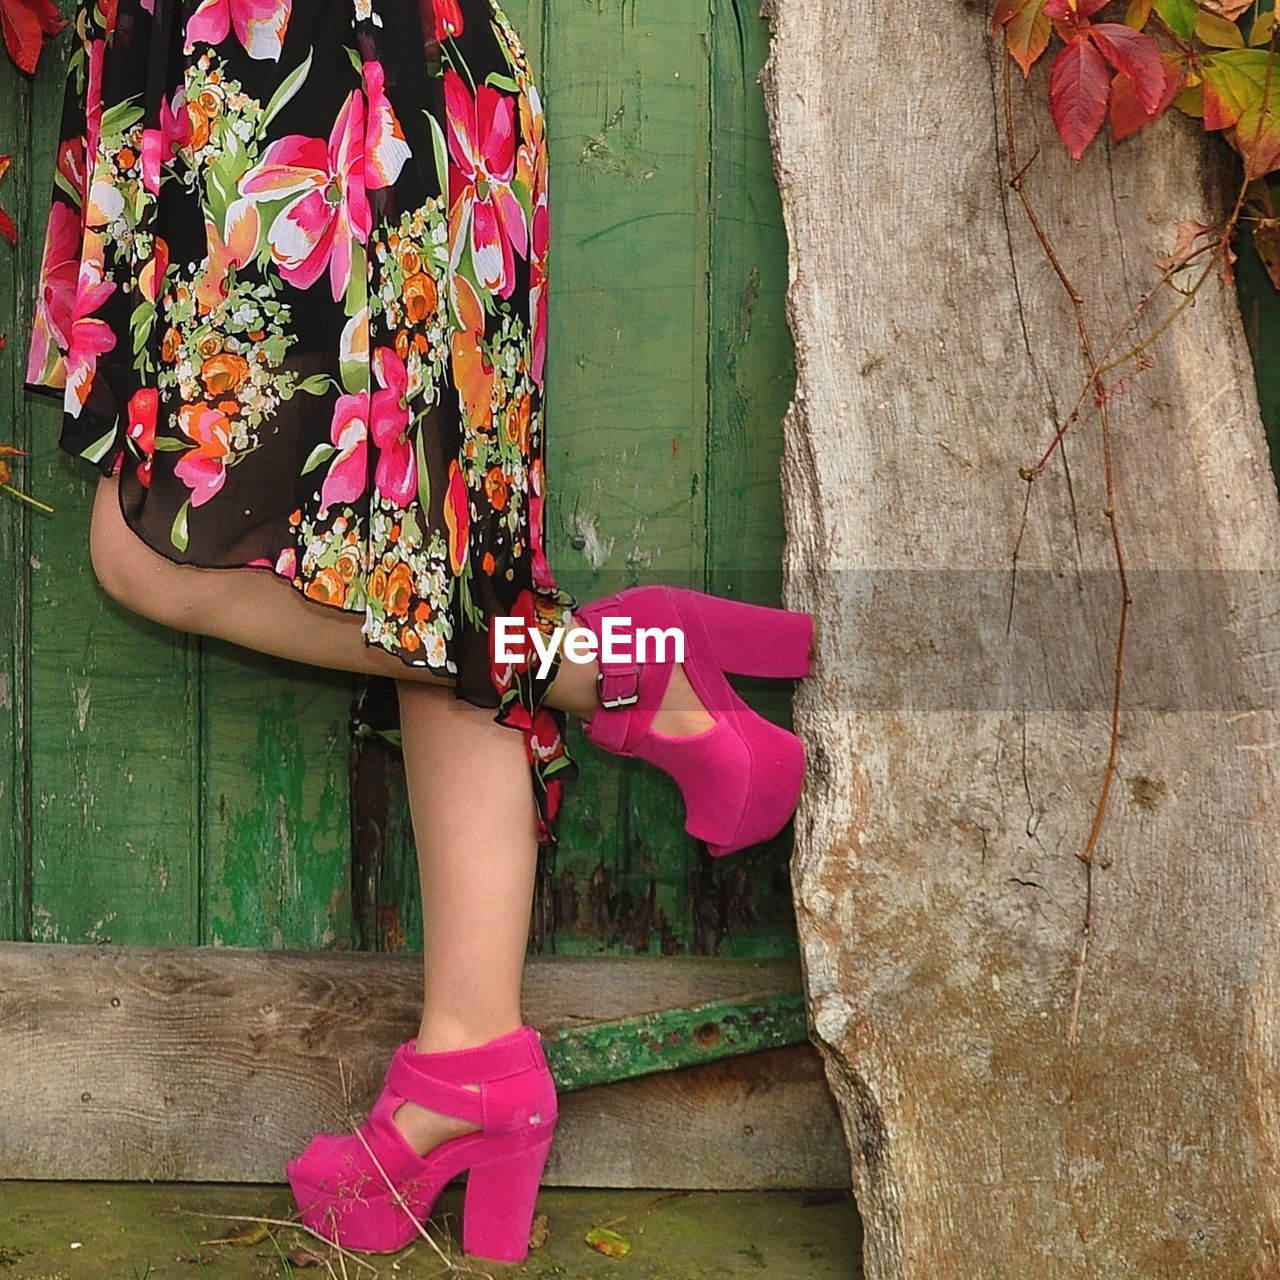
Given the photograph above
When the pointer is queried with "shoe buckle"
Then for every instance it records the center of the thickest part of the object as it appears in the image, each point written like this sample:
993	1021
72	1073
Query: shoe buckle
621	700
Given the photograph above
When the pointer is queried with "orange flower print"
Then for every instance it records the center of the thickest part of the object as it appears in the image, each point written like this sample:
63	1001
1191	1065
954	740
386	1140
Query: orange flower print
399	590
420	298
472	371
327	587
496	488
224	373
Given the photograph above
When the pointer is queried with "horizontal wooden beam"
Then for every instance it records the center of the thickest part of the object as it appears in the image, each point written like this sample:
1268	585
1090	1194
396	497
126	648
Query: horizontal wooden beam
217	1064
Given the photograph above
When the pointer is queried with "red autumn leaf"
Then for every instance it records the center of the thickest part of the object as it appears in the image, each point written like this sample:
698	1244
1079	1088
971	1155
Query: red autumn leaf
1072	10
1133	54
25	23
1128	115
1079	85
1026	29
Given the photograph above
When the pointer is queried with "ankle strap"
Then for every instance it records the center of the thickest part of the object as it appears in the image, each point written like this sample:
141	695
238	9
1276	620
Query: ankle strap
414	1085
506	1055
622	719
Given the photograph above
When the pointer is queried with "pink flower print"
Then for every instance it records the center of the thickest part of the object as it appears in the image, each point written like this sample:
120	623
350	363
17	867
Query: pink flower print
159	145
541	569
385	149
396	475
90	337
56	305
93	106
538	293
259	25
204	468
482	158
329	208
348	475
287	563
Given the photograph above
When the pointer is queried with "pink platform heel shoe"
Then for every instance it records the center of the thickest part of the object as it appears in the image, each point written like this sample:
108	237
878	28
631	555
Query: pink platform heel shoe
741	778
343	1196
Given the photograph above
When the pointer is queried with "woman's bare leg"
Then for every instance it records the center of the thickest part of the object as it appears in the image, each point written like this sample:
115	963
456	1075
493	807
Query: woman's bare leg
475	825
257	609
470	793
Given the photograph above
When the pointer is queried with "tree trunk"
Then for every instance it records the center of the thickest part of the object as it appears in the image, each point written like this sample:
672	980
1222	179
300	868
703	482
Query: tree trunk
1044	1069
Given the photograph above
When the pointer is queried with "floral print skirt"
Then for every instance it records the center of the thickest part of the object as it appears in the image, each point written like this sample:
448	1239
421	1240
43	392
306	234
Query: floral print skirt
294	294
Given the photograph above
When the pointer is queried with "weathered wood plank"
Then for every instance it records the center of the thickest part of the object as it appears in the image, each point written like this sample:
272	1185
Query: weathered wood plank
15	133
276	830
744	906
628	113
217	1063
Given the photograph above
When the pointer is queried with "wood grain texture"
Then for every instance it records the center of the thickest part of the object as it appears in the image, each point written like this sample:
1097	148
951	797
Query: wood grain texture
218	1063
627	101
15	849
957	743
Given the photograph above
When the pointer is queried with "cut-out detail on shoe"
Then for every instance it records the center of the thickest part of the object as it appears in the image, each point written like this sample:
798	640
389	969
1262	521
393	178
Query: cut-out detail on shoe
340	1182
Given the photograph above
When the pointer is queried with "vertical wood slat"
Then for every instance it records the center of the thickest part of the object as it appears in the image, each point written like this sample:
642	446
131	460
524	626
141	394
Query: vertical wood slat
275	825
15	127
750	378
172	779
627	100
111	741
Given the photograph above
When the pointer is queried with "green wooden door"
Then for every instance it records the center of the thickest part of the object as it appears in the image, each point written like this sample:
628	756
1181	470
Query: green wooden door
158	788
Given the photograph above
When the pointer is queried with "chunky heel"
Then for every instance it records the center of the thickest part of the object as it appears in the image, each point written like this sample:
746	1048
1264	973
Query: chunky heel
498	1204
741	778
753	639
371	1190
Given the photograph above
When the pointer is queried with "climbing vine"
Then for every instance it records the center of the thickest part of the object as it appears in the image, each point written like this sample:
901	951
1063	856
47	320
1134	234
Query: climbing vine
1215	60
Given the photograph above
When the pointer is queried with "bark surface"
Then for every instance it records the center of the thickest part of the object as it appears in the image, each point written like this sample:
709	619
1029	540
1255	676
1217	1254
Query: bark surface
1042	1071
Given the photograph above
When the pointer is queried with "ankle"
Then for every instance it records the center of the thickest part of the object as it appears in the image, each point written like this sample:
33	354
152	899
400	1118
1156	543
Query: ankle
444	1036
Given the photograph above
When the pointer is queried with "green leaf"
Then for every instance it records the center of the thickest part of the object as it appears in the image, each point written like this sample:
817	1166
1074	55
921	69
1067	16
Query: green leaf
499	81
1242	93
316	385
119	119
321	453
142	321
1179	16
98	449
441	149
171	444
355	60
178	534
357	297
424	476
1217	32
609	1242
288	87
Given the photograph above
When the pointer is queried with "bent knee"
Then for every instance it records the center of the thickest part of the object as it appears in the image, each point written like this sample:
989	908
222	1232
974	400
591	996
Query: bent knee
130	572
